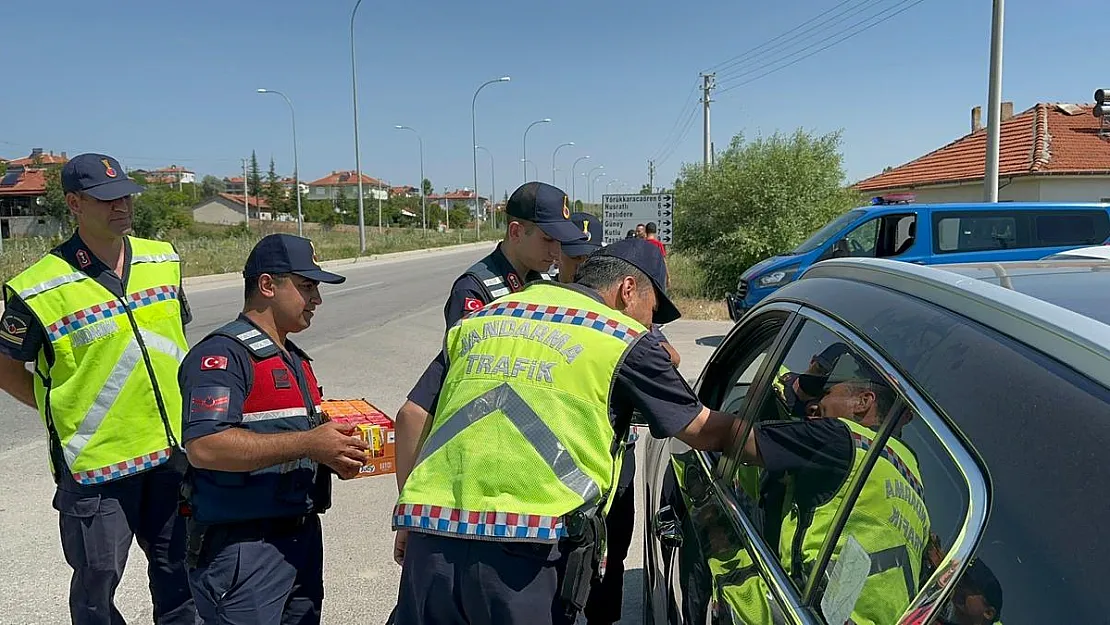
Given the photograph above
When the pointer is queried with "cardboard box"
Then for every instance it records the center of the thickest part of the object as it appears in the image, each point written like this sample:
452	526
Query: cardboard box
373	426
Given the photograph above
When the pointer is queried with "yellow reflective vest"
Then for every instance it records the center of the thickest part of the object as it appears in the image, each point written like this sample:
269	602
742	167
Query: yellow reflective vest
888	525
107	387
521	436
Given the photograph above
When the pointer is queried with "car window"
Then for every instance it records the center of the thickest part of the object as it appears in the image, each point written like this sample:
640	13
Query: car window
969	233
861	242
858	498
1059	228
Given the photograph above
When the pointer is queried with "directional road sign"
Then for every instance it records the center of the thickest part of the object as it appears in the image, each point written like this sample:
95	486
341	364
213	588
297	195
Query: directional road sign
623	212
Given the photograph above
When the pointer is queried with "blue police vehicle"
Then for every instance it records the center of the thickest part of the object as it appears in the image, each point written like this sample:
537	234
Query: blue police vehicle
895	227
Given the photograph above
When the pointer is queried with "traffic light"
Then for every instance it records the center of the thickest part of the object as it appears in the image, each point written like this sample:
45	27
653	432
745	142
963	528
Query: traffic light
1102	103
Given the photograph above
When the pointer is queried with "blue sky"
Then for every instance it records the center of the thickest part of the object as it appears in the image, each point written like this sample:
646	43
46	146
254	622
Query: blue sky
157	83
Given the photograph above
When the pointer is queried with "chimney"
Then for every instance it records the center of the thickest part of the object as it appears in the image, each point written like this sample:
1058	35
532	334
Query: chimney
64	157
36	152
1007	110
976	119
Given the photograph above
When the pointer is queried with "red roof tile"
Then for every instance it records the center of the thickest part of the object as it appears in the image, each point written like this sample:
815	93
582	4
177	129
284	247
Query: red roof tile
46	158
342	178
1044	140
458	194
255	202
31	182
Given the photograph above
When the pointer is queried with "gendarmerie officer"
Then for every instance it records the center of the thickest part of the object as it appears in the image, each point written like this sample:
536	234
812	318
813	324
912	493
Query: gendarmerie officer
505	501
261	450
102	318
538	216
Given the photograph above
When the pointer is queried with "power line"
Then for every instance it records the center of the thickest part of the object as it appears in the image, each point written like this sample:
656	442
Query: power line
826	47
804	38
723	65
681	138
669	137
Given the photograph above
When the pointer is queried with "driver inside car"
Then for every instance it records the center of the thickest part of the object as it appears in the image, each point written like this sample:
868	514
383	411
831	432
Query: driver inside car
816	460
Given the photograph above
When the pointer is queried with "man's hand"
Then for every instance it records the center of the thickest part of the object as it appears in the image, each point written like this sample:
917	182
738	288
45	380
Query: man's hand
332	444
400	541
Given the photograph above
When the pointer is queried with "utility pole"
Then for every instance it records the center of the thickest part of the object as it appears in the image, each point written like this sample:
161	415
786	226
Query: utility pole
708	82
994	106
246	195
651	176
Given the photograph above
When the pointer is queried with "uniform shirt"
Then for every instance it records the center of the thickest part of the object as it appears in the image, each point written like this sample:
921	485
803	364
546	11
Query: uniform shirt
646	381
73	251
468	294
217	366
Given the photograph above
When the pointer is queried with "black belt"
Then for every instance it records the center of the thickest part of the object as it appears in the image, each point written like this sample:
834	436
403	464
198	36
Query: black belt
257	530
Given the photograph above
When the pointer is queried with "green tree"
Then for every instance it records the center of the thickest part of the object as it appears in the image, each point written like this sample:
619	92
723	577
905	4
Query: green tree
759	199
210	186
3	167
646	189
273	191
578	206
426	185
254	178
54	202
160	209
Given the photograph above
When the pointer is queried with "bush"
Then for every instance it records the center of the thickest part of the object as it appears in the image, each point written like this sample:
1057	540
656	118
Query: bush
759	199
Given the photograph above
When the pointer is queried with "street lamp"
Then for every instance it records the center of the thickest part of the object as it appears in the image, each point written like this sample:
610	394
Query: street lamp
553	155
358	159
492	180
296	169
589	186
534	168
994	105
573	180
611	183
524	158
474	153
423	210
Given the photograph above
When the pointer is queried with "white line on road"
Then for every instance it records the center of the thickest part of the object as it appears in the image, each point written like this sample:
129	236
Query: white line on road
353	288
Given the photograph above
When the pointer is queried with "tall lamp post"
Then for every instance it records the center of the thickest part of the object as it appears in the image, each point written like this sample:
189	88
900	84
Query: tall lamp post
574	180
589	185
553	155
423	210
592	181
534	168
492	180
525	155
474	153
358	158
296	168
994	105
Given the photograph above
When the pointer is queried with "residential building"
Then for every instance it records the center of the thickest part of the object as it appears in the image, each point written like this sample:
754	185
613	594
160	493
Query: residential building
173	174
1050	152
37	158
227	209
404	191
346	182
22	191
287	184
459	198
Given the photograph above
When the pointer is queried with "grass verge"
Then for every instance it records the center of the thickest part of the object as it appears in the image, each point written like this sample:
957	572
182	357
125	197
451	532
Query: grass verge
209	249
689	293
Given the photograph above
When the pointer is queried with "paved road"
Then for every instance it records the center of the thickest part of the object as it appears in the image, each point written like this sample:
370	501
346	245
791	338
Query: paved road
371	338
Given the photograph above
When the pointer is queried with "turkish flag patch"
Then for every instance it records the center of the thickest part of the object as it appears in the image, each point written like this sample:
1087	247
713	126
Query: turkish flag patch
470	304
209	363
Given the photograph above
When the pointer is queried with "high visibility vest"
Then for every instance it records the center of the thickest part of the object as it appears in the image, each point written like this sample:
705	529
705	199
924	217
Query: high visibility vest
108	392
275	403
889	521
521	436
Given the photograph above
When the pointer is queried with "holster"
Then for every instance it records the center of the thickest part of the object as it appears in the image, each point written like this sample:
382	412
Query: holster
194	543
583	545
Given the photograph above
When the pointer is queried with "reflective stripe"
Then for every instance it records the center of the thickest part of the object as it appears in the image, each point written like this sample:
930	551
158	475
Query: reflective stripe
888	453
453	522
52	283
98	312
500	292
281	413
249	334
121	469
257	345
562	314
155	258
108	394
286	467
538	434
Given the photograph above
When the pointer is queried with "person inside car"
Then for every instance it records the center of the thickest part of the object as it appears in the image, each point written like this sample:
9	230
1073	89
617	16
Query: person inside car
818	456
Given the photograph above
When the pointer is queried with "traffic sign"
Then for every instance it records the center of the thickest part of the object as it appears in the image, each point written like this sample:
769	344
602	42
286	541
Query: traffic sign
622	213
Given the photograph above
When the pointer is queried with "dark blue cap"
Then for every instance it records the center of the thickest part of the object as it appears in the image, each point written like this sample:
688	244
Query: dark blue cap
547	207
98	175
286	253
647	258
591	226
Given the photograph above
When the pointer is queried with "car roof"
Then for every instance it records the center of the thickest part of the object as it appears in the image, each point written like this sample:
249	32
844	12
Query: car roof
985	206
1093	251
1048	305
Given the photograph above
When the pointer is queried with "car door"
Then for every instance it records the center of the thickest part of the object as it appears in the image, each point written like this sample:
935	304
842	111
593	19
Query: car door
876	540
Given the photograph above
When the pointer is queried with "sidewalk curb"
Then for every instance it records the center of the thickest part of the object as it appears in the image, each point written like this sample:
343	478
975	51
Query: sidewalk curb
217	278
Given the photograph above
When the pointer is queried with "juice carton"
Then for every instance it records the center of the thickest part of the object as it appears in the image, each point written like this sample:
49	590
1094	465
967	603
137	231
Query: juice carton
373	426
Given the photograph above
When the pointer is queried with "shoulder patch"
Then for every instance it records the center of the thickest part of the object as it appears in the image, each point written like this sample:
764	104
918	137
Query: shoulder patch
209	403
13	327
209	363
470	304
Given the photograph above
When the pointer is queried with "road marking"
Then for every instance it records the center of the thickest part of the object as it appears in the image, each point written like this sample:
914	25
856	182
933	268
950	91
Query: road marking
353	288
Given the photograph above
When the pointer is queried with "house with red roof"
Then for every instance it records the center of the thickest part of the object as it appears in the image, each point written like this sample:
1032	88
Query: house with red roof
1051	152
228	209
346	182
459	198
